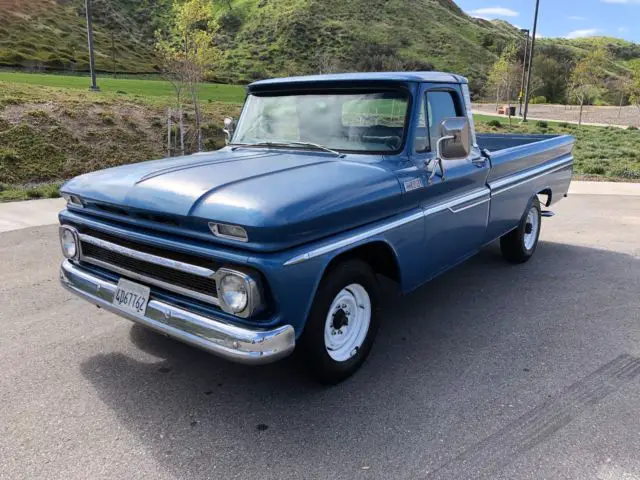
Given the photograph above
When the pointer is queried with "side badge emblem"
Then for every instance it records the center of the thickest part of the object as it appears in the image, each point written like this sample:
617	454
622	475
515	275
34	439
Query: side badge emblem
414	184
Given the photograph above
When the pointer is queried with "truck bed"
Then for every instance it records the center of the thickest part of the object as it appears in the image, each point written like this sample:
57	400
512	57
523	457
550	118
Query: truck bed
511	154
500	141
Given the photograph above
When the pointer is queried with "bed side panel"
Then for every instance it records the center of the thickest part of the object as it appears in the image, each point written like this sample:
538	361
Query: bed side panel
548	168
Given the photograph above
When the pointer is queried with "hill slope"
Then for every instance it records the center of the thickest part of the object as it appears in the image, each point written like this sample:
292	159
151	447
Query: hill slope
51	34
266	38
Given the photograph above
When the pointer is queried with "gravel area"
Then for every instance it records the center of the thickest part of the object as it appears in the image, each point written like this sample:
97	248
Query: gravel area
624	116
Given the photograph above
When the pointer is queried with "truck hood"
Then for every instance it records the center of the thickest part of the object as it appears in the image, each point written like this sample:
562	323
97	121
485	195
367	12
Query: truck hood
282	198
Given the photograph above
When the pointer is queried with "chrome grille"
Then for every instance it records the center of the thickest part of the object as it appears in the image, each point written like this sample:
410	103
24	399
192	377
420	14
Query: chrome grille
149	265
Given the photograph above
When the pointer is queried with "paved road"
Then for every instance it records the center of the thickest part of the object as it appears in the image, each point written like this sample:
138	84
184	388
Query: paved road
492	371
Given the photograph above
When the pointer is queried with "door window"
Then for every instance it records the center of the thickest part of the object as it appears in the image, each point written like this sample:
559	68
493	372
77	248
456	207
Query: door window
440	105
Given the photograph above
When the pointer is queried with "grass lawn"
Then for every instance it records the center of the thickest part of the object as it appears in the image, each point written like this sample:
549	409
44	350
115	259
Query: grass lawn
153	89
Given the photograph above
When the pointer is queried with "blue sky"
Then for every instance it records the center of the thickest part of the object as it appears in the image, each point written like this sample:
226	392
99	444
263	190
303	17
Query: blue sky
565	18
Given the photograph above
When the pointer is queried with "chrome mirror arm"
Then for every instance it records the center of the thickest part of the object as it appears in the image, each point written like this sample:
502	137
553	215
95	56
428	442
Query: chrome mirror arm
438	158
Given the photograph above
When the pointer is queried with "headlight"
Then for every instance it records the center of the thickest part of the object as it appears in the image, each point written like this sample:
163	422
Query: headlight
239	293
69	242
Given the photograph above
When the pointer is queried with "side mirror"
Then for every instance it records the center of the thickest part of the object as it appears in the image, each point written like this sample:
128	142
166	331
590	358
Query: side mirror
455	139
229	127
454	142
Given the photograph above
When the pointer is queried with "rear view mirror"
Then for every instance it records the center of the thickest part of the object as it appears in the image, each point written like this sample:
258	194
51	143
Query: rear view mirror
455	139
229	126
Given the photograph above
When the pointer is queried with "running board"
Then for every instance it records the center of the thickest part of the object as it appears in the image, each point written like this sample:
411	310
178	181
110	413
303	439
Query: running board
547	213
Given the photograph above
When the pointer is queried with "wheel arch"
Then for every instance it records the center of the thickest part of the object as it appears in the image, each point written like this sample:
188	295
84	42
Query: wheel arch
548	193
378	253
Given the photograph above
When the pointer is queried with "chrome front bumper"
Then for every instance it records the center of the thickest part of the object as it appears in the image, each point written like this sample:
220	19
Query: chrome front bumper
234	343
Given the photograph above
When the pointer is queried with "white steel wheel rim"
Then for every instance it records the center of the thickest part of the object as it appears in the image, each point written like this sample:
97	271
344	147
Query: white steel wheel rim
347	322
532	225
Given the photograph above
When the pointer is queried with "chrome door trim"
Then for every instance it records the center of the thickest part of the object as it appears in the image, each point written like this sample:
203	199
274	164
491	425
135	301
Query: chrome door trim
148	257
149	280
511	181
439	207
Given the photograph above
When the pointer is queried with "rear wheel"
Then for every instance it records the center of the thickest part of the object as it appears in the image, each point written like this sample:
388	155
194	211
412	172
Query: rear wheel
342	323
519	245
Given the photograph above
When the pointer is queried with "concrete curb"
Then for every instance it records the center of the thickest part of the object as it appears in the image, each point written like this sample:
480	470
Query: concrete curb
36	213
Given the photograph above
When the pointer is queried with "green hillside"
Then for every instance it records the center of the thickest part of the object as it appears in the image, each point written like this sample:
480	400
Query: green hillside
43	35
267	38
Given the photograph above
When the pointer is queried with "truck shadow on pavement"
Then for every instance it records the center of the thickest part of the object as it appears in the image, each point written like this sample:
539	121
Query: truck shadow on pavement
448	360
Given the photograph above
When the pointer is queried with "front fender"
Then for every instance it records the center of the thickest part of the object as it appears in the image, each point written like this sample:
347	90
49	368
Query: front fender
294	276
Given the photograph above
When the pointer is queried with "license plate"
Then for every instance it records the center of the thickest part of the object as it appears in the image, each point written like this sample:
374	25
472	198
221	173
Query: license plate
131	297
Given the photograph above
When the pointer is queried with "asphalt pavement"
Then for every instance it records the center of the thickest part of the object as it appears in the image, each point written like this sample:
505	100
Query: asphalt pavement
492	371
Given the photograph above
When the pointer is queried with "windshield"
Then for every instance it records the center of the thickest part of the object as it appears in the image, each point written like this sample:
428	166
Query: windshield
355	122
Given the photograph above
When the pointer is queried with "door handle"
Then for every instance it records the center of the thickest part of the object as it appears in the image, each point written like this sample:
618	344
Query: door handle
479	162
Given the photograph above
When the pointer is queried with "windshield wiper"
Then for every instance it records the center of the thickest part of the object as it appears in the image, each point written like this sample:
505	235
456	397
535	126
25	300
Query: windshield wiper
287	144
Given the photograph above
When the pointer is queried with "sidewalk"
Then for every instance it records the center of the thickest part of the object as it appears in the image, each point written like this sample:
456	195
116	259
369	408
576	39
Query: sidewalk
35	213
31	213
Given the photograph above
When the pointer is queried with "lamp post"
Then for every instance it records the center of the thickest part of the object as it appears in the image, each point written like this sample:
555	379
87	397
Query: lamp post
533	44
92	61
524	67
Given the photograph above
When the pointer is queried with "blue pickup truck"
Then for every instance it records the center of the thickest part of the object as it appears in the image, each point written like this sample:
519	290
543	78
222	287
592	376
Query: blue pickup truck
277	241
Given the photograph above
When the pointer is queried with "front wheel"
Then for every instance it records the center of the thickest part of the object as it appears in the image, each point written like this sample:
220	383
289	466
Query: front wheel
518	245
342	323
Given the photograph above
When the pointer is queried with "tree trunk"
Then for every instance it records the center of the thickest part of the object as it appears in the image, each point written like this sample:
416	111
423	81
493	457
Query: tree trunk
196	106
169	132
621	102
181	131
580	117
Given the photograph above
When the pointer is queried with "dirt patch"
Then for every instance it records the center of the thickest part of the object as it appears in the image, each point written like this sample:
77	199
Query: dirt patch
624	116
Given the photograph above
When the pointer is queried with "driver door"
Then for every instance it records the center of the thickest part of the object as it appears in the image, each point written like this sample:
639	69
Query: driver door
456	204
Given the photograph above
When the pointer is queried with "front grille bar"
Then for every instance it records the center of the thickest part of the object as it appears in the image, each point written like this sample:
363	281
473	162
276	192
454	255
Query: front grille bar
188	268
153	281
148	257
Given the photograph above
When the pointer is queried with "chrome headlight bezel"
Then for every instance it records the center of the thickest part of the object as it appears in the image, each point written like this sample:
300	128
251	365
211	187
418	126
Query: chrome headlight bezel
252	287
67	230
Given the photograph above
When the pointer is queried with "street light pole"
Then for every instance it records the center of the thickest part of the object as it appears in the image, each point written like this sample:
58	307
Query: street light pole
92	62
533	44
524	67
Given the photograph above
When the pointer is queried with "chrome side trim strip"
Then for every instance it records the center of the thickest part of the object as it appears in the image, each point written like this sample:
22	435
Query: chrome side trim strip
451	204
512	181
235	343
467	207
148	257
447	205
148	280
354	239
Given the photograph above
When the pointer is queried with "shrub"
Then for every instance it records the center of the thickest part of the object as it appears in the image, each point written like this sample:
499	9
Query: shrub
594	170
563	125
632	127
542	124
539	99
494	123
34	194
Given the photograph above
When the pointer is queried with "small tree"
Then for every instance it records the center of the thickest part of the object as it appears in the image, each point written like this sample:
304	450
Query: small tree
588	78
504	75
187	52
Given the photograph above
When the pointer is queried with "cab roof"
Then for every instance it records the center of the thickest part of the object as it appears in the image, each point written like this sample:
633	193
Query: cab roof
435	77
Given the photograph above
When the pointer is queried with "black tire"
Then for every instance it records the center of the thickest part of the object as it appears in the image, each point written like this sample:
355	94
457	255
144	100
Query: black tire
513	245
312	342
